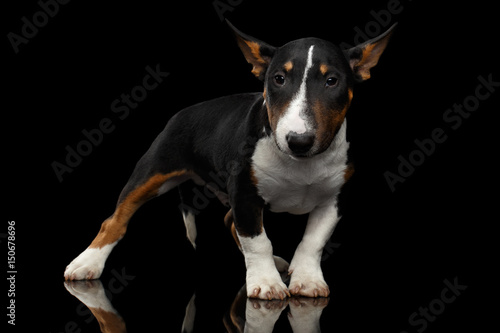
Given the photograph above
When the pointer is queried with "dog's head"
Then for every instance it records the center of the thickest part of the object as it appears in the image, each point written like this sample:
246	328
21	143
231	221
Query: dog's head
308	86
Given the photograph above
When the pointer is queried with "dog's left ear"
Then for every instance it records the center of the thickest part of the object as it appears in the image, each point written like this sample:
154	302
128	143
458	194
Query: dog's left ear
256	52
365	56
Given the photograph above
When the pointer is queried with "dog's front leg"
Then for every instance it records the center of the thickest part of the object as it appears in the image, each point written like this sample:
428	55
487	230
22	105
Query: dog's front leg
262	279
305	268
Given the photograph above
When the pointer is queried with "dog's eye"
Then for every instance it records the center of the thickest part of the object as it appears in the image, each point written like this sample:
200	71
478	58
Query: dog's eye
331	81
279	79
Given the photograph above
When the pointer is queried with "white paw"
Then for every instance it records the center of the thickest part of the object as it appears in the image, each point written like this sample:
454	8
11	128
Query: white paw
266	285
86	266
309	283
89	264
263	280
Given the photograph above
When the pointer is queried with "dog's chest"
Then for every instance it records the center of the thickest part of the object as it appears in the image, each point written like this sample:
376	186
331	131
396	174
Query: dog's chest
297	186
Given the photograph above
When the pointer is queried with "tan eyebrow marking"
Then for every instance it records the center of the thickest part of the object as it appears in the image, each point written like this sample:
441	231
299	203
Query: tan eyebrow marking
323	69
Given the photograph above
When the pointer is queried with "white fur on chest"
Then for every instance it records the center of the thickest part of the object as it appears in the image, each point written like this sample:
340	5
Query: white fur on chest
298	186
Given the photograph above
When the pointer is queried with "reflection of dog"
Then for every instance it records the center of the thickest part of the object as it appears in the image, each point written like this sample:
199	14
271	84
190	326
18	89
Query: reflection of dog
244	315
255	315
285	148
92	294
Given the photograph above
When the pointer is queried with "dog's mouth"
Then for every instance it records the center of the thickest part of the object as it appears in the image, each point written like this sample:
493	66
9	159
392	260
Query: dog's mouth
300	156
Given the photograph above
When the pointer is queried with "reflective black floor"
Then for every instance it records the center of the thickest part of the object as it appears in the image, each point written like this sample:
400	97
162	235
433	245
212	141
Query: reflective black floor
364	297
243	315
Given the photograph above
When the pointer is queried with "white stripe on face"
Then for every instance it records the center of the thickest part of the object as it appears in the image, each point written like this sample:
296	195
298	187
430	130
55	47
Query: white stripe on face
293	119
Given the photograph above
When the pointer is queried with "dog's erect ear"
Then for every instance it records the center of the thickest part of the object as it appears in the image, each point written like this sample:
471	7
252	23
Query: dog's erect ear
256	52
365	56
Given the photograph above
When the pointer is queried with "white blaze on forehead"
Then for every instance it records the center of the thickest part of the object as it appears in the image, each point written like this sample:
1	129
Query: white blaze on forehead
293	119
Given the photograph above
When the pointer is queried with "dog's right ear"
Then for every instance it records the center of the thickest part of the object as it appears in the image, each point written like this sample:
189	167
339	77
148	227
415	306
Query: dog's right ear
256	52
366	55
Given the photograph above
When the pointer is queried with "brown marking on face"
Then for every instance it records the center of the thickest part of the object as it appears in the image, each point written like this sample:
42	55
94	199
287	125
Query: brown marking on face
338	118
288	66
113	228
323	69
329	121
275	114
264	93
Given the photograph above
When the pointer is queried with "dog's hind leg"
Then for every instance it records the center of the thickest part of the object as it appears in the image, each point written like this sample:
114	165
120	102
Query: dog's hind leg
188	212
140	188
195	196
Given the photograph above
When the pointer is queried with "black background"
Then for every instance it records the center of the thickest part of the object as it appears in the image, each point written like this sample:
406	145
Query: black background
393	249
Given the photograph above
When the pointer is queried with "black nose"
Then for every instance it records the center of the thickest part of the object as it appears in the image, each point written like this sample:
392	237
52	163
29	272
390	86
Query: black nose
300	143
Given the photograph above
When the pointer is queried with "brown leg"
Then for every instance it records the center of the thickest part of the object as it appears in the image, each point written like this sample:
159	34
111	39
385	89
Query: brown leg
114	228
90	263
